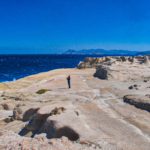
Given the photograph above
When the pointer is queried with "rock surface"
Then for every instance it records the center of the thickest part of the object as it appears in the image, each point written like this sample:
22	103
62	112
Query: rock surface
93	62
125	70
142	102
94	114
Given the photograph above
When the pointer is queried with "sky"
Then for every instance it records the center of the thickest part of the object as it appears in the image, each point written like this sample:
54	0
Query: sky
52	26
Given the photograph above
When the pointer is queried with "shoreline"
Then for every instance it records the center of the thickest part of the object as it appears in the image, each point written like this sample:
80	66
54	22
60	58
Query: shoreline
100	59
14	80
20	68
36	77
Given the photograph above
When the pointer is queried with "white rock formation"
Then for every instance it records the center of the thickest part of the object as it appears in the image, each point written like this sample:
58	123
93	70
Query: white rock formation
92	115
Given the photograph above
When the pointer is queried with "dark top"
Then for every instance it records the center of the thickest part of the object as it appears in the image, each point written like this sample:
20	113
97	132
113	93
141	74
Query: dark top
68	78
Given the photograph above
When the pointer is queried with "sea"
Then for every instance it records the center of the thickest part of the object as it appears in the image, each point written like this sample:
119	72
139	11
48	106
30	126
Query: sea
13	67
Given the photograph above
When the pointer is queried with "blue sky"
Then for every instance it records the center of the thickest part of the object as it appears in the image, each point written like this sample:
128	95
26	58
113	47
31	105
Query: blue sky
48	26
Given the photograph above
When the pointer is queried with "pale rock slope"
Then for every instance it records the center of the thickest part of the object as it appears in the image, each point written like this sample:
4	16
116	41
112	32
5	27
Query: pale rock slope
40	112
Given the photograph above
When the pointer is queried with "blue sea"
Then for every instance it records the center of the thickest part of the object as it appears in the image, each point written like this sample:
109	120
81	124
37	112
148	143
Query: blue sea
13	67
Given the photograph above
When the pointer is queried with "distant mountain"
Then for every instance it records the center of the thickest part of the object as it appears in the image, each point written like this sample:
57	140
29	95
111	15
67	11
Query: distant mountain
105	52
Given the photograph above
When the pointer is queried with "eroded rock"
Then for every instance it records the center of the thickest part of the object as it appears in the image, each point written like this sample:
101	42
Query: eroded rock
17	113
55	122
142	102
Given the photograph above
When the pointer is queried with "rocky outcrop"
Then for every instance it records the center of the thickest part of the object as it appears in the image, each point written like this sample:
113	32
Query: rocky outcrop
55	123
91	62
142	102
102	72
123	71
17	113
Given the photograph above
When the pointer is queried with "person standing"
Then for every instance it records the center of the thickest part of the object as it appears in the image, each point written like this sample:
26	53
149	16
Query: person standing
69	81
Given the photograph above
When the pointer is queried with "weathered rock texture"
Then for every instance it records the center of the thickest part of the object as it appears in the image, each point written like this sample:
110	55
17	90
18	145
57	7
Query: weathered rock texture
92	115
142	102
102	72
125	70
91	62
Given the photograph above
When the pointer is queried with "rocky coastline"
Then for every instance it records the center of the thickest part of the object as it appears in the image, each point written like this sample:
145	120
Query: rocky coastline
108	107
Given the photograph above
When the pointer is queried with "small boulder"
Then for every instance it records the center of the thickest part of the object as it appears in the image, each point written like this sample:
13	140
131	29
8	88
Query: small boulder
130	87
101	72
17	113
145	81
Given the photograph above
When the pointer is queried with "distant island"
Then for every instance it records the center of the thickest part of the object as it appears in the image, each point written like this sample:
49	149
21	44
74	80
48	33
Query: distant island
105	52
